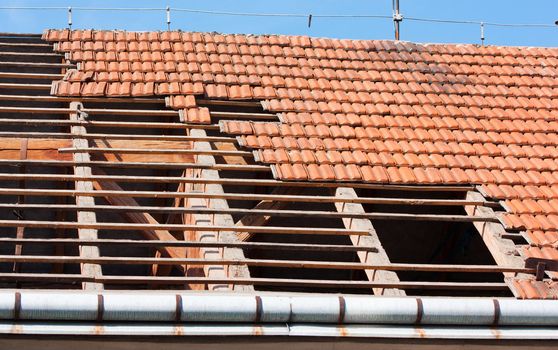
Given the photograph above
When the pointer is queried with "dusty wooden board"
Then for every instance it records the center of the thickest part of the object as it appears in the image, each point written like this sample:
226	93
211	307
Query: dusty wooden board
370	240
86	217
142	218
504	251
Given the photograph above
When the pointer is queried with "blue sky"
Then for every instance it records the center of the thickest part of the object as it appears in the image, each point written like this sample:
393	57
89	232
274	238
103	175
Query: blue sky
510	11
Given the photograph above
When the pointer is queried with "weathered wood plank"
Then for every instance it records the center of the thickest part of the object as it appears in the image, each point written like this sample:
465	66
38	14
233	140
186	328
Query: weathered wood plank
263	212
370	240
179	243
142	218
504	251
85	217
269	183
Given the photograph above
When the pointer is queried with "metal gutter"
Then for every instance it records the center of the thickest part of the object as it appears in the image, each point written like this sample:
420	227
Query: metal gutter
271	308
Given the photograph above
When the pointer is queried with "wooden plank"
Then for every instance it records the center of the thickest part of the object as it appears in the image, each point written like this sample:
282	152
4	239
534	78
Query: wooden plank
504	251
142	218
239	115
252	216
20	230
106	124
50	98
34	144
20	35
159	151
37	65
252	197
133	112
38	149
141	165
85	217
370	240
19	75
229	103
257	182
25	45
230	146
181	243
264	211
16	86
21	55
55	135
294	264
143	154
72	278
179	227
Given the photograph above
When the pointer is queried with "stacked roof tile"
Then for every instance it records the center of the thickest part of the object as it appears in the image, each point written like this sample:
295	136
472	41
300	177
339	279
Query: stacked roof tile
357	110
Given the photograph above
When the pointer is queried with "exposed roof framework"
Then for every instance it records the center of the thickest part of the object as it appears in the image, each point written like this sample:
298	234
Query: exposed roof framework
182	193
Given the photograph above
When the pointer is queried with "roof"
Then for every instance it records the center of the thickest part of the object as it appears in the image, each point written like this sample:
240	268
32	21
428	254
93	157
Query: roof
358	110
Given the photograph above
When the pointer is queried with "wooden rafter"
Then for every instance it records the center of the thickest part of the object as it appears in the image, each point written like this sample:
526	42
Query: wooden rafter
20	200
264	183
142	218
503	250
85	217
372	240
258	215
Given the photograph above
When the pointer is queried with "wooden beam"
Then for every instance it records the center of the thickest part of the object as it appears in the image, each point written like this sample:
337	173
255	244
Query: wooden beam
240	115
37	65
370	240
142	165
50	98
85	217
262	182
158	151
263	212
25	45
55	135
106	124
228	103
294	264
15	86
20	230
180	243
142	218
252	216
19	75
504	251
252	197
178	227
21	55
310	283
